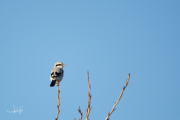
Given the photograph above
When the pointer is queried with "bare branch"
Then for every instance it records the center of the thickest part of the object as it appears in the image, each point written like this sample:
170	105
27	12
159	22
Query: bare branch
79	110
88	109
58	111
107	118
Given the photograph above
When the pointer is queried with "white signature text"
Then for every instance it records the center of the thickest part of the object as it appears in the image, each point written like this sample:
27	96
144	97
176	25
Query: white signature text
16	110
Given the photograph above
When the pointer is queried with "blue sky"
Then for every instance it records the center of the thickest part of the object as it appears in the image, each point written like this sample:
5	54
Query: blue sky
108	38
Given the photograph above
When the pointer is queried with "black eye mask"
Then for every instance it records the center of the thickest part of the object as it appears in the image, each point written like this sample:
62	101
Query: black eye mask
58	65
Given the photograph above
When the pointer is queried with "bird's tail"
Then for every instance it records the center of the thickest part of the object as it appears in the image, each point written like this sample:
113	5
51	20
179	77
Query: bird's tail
52	83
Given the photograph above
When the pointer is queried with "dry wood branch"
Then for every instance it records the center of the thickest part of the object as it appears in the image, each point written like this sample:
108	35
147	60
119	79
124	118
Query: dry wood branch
79	110
107	118
58	101
88	109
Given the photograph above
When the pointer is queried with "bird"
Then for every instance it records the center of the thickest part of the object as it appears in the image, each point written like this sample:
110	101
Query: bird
57	73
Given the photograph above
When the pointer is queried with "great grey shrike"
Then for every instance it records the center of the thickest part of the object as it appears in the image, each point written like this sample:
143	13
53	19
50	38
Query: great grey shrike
57	73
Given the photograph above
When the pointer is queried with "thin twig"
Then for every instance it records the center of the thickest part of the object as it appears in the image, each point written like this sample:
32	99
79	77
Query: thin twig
88	109
107	118
79	110
58	111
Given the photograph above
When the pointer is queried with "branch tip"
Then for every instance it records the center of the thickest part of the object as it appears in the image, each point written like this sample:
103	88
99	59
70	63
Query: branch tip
88	109
79	110
113	109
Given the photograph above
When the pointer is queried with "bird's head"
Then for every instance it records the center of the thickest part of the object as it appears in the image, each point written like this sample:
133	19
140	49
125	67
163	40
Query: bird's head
59	64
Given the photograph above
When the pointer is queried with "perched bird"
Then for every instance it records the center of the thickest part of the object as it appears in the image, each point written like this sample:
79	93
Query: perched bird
57	73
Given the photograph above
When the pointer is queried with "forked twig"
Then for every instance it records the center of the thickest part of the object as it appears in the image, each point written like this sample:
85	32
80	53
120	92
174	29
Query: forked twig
88	109
79	110
58	101
107	118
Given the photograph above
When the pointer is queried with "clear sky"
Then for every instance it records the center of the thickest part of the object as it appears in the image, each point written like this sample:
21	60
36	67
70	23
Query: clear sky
110	38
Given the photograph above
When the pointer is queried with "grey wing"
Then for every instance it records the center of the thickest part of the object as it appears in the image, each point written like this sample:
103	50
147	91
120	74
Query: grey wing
59	72
56	73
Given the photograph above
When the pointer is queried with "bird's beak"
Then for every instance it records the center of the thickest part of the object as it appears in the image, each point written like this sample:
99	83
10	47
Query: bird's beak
64	65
